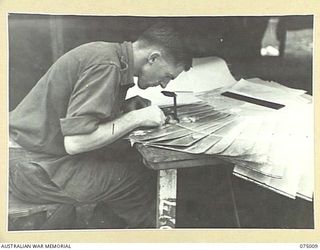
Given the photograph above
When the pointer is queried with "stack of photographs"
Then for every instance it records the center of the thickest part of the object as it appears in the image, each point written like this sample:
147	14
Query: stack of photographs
271	147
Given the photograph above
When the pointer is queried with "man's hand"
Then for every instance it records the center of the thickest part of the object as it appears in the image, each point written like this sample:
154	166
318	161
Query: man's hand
134	103
151	116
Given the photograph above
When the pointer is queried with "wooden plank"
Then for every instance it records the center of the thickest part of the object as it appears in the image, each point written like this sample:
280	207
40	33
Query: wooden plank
184	163
18	208
154	155
167	199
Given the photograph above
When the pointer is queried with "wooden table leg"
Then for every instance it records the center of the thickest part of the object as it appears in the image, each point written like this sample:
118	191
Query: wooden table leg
166	198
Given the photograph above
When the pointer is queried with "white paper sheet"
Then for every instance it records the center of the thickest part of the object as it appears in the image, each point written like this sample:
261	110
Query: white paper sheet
272	148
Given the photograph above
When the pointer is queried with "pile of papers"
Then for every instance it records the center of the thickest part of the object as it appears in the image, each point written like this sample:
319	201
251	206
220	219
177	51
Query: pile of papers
271	147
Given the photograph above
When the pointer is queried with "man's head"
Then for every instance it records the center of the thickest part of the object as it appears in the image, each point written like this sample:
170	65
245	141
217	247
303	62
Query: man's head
159	56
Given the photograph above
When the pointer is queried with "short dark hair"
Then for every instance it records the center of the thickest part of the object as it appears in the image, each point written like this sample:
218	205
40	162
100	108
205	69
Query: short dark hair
168	38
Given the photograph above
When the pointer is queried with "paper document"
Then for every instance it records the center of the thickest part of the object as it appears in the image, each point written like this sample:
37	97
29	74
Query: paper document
270	147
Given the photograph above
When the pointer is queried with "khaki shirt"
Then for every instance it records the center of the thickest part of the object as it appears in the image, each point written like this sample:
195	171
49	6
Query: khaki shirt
83	88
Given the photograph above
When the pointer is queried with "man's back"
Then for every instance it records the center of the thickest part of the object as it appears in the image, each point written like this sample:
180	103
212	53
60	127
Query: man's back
73	87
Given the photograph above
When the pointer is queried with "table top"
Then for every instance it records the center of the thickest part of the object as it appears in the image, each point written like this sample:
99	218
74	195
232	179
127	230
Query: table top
158	158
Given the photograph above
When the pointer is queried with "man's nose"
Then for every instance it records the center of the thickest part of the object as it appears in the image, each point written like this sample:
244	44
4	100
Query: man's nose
164	84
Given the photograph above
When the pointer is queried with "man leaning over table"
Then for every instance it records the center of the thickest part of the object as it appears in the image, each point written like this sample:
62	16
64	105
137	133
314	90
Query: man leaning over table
60	133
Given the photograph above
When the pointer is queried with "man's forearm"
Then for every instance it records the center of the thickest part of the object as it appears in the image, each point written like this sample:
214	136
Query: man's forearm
105	134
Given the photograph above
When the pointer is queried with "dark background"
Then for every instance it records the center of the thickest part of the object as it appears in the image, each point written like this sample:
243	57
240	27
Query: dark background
207	196
36	41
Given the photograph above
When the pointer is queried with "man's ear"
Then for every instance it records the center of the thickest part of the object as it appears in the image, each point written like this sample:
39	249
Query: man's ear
153	56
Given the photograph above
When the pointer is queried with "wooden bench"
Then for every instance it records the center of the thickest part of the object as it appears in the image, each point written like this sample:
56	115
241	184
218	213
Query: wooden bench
31	216
27	216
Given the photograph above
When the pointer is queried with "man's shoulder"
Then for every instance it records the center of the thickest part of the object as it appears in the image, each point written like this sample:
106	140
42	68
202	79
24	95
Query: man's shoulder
97	53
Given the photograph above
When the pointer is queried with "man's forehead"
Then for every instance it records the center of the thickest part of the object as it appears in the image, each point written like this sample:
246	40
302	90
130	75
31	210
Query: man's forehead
173	68
171	63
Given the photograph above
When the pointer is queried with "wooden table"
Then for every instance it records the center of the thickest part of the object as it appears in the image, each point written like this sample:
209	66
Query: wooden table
166	162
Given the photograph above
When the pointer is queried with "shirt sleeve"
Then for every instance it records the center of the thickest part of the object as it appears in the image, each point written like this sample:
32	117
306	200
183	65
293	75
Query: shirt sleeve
92	99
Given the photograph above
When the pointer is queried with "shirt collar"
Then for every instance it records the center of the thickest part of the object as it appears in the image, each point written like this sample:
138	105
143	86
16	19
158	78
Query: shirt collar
126	60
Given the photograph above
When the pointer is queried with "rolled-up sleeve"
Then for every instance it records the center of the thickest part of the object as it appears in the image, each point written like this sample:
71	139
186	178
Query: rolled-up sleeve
92	99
